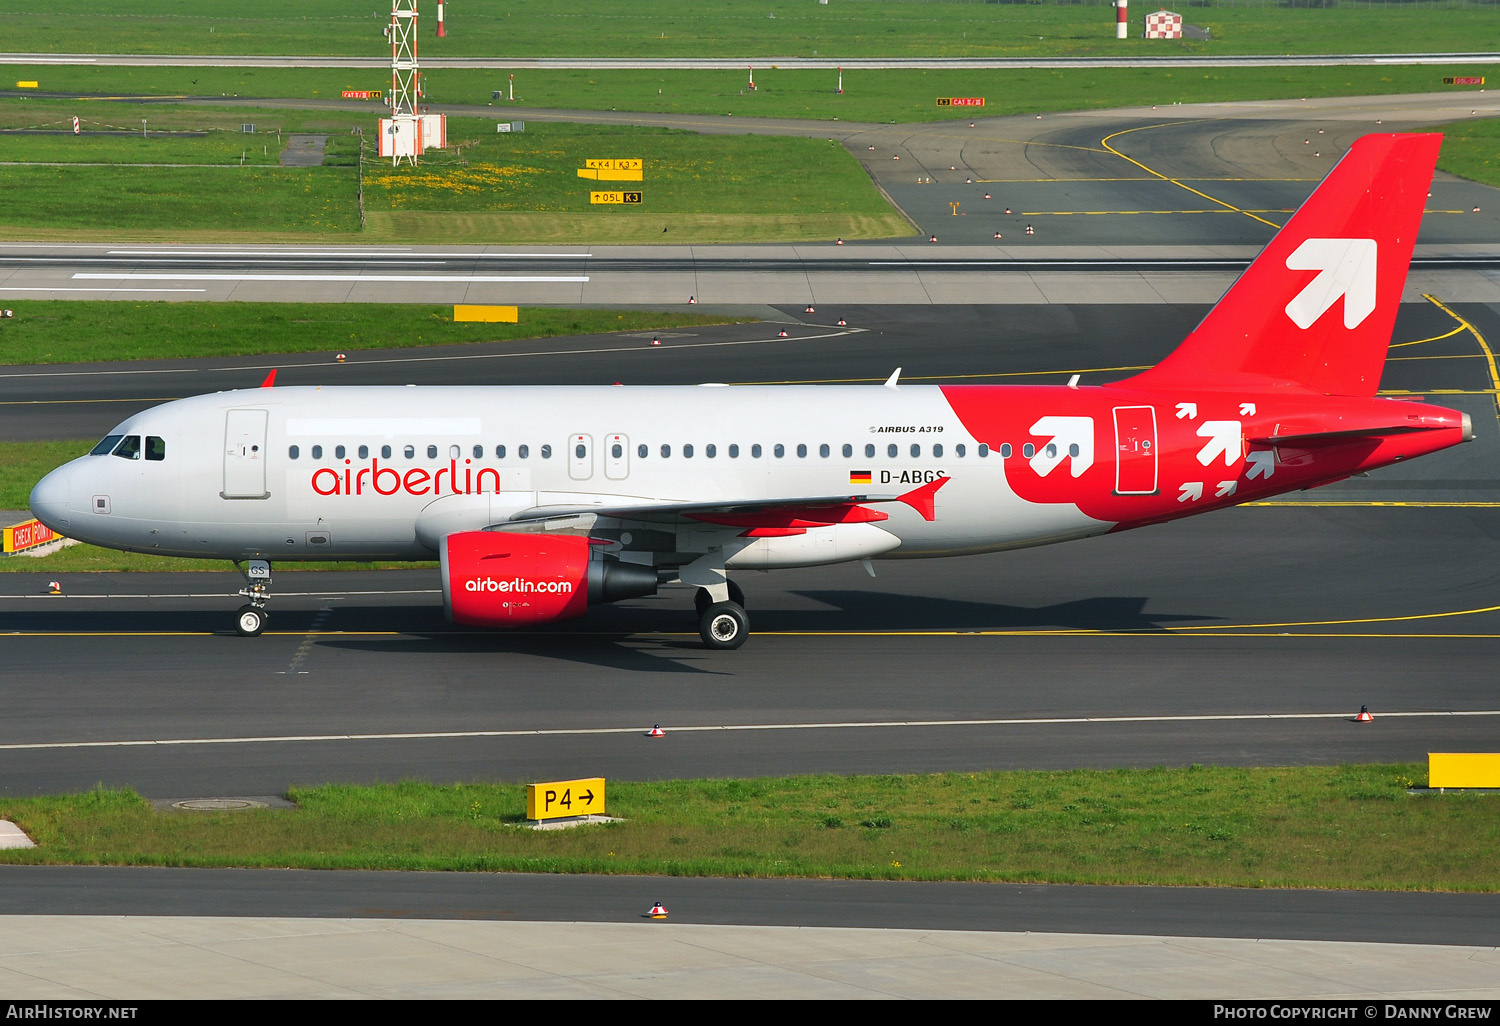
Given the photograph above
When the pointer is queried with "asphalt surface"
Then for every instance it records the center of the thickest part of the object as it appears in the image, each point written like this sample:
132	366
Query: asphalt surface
1251	636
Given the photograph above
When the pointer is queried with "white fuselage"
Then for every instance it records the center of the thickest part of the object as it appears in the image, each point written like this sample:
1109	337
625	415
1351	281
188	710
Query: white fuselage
293	473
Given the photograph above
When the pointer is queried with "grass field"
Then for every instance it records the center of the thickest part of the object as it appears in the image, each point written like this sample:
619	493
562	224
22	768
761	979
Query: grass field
709	188
769	28
895	95
1346	826
63	331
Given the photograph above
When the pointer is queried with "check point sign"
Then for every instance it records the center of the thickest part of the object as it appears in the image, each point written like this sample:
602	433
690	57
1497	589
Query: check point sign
563	798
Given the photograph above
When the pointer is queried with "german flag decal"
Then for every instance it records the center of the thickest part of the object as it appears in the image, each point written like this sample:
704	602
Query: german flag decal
859	477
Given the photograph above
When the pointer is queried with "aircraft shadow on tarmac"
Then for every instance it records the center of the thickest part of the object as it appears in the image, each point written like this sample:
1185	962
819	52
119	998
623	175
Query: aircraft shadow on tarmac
422	627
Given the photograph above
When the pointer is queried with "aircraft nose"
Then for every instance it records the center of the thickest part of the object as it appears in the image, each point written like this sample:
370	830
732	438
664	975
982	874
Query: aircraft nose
49	500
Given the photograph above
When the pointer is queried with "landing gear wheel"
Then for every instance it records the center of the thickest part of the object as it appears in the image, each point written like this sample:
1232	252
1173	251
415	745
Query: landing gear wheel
702	599
724	625
249	621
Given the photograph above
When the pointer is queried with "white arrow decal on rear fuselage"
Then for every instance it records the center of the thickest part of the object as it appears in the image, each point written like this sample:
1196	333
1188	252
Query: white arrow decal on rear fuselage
1346	268
1065	433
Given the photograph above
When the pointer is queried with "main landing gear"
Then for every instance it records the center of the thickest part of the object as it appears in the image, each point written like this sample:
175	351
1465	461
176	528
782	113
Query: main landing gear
722	625
250	620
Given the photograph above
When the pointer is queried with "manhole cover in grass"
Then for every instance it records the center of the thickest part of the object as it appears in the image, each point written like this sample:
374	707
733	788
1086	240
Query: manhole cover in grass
218	804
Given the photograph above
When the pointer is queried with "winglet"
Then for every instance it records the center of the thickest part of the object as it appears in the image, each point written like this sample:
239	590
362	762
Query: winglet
892	381
270	379
922	499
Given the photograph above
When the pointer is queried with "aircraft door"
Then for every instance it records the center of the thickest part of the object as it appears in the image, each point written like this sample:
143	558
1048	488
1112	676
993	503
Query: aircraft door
245	455
616	457
580	457
1135	450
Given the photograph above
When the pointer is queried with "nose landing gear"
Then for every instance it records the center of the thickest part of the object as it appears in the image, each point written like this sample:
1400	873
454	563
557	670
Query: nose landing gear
250	620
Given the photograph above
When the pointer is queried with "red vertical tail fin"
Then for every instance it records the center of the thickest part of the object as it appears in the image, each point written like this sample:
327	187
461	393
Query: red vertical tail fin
1314	312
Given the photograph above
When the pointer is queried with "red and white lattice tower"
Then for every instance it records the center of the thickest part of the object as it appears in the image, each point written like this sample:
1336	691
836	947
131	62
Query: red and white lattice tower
1163	25
407	132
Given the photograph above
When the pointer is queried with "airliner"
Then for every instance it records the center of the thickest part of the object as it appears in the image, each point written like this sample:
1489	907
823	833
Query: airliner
541	501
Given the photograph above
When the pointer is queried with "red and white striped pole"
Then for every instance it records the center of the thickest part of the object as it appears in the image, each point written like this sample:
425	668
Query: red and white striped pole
752	76
441	31
1121	18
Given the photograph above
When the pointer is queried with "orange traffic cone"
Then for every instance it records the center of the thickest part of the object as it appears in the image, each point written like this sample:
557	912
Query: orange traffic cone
691	300
656	341
809	308
656	731
842	322
657	912
781	334
1364	715
933	239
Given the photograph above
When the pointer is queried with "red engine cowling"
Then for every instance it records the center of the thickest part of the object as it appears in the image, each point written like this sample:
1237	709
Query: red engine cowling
505	579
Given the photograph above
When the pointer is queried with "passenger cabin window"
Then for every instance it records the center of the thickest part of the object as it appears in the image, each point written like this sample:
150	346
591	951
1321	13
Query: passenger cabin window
156	448
546	452
317	452
687	451
292	452
960	450
1005	450
523	451
385	452
129	448
890	450
779	451
710	450
937	451
666	451
642	449
734	451
984	450
916	450
499	452
869	452
410	452
755	451
453	452
823	450
848	450
364	452
1028	450
338	451
107	446
801	452
432	452
479	452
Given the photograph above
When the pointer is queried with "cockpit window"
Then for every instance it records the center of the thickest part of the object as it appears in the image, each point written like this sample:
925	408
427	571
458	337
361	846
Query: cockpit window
129	448
156	448
106	446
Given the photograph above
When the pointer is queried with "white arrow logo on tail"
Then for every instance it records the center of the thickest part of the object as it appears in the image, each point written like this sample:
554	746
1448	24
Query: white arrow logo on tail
1262	464
1247	409
1068	434
1226	488
1188	410
1223	440
1192	490
1346	267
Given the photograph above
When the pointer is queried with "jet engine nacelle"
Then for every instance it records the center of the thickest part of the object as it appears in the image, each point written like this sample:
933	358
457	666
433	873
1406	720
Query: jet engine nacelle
509	579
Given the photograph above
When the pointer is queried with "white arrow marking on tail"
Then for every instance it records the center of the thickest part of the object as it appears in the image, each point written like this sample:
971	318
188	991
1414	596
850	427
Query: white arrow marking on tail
1065	433
1192	490
1223	440
1226	488
1346	267
1247	409
1188	410
1262	464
